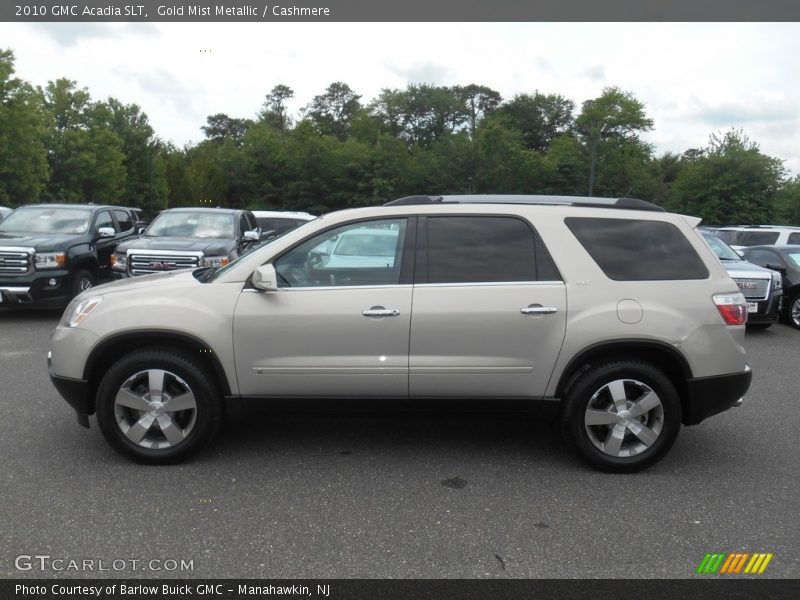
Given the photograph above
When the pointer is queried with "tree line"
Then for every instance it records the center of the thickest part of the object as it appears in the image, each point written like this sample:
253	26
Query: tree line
58	144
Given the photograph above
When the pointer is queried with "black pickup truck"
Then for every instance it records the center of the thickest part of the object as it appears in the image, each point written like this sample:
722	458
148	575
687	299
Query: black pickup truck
184	238
49	253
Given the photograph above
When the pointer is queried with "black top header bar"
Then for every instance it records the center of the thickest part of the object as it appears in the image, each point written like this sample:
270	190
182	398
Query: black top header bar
277	11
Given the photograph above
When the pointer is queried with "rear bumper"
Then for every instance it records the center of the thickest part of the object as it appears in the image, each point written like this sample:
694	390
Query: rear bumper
75	392
708	396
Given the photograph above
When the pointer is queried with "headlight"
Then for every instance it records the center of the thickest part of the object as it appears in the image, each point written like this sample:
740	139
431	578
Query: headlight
81	311
50	260
777	280
214	261
119	261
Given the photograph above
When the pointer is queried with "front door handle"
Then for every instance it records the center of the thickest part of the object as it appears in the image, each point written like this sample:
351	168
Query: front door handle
379	311
538	309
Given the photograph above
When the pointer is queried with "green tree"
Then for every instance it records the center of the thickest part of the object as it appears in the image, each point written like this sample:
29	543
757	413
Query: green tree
479	102
221	127
85	153
145	182
333	112
274	111
610	126
420	114
730	182
23	125
539	118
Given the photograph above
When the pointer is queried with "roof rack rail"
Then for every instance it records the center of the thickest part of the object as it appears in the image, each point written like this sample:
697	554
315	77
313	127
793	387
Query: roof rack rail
584	201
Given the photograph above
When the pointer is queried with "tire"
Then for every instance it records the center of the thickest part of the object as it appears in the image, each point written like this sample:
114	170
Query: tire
793	312
81	281
592	422
146	430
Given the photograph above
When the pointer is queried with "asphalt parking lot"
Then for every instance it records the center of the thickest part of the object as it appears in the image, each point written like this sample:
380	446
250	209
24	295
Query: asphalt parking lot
403	497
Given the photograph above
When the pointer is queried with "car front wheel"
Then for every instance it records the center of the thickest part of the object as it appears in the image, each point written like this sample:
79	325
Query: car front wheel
793	312
622	416
158	406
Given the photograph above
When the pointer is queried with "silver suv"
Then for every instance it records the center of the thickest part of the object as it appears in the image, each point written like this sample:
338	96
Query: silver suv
609	315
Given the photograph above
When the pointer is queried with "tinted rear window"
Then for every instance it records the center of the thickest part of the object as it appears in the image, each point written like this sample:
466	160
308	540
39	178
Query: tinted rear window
757	238
638	250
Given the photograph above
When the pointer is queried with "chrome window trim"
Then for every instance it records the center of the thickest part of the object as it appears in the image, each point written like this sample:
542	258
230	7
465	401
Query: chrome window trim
488	283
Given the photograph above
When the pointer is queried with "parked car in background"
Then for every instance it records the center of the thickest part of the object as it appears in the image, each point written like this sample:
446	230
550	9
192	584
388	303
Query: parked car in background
185	238
757	235
51	252
762	288
4	212
274	223
786	261
609	315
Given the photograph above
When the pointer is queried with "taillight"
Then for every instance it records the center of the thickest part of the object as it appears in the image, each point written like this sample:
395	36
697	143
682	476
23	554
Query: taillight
732	307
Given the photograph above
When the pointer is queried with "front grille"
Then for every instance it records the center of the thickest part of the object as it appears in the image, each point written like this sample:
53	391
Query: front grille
142	264
14	261
753	289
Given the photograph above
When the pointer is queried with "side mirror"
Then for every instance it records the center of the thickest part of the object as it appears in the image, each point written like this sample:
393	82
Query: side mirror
251	236
105	232
265	278
141	230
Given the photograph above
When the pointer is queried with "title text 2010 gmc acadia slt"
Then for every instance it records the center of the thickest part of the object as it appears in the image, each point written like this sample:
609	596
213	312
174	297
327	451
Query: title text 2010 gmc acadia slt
609	313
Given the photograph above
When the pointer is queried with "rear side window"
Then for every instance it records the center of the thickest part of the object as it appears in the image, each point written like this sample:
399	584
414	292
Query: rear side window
466	249
638	250
757	238
794	238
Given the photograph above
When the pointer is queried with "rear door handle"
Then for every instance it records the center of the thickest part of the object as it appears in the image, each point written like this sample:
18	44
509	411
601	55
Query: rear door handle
379	311
538	309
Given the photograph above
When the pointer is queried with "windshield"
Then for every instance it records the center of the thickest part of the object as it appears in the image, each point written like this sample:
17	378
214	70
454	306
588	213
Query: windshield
720	248
45	219
795	258
211	274
192	225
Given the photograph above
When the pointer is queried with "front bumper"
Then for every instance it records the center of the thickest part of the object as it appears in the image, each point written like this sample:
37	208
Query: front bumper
74	391
708	396
36	289
768	310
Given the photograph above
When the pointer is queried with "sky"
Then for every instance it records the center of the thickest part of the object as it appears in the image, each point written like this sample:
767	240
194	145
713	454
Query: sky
695	79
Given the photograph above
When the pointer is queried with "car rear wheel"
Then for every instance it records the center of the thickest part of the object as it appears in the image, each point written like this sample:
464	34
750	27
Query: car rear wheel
158	406
622	416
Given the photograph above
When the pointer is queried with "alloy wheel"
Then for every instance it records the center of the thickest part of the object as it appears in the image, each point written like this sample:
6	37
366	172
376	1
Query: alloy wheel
624	418
155	409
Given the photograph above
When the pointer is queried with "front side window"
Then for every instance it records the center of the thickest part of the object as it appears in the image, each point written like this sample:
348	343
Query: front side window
475	249
638	250
104	220
794	238
363	253
763	258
